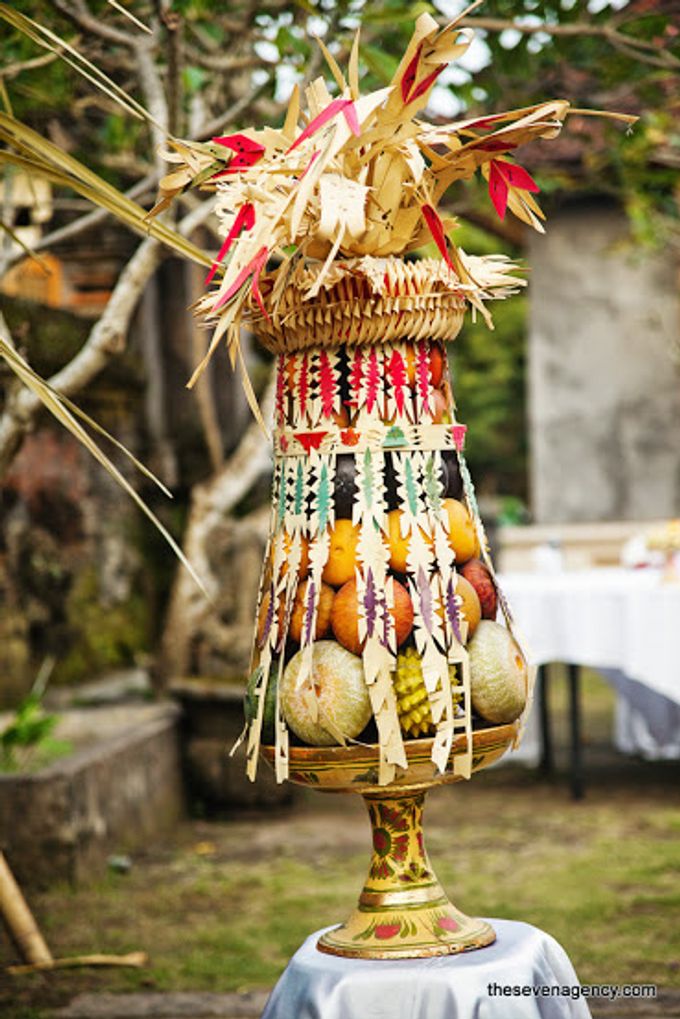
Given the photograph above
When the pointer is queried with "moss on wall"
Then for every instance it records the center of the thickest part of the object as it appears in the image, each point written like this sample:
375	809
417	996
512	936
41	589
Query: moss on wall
102	636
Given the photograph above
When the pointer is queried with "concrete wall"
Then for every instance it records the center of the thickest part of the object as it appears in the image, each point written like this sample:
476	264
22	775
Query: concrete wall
61	823
604	372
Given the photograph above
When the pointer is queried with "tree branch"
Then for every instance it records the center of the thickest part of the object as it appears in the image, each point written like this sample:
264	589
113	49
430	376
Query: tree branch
12	70
234	111
154	96
211	501
197	217
81	16
223	61
174	24
638	49
80	225
106	338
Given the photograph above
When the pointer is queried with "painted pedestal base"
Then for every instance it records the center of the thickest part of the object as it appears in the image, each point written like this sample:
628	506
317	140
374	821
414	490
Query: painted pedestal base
403	911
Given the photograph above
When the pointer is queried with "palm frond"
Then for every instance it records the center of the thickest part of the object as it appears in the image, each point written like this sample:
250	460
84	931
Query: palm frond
6	228
35	154
44	37
131	17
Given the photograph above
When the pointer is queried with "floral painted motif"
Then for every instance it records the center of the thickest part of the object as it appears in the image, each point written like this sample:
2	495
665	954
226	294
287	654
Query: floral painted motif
394	825
447	923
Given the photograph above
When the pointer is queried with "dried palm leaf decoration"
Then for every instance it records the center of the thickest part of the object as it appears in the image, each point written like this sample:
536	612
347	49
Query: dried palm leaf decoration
341	189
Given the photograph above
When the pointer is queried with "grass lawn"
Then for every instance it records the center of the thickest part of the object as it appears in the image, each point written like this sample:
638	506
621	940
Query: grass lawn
221	906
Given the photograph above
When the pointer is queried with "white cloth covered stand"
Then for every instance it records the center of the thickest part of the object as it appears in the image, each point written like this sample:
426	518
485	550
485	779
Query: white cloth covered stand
471	985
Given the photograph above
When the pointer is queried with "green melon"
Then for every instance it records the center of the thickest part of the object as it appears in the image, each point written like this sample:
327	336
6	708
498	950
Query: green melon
339	691
498	674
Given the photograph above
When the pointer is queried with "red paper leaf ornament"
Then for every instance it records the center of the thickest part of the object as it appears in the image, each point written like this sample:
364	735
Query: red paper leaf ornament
245	220
436	228
502	177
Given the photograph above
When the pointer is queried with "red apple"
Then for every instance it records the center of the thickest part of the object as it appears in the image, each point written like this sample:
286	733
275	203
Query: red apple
477	574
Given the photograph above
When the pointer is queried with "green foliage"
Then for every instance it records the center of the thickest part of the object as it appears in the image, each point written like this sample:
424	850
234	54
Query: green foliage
27	744
488	379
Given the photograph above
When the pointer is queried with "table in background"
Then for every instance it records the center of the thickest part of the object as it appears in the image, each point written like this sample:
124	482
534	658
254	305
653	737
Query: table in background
623	623
319	986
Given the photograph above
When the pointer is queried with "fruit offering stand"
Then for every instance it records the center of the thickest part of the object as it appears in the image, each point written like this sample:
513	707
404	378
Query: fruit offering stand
379	667
385	657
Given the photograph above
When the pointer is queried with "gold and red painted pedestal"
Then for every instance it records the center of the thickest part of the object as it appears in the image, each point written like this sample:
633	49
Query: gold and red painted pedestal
403	911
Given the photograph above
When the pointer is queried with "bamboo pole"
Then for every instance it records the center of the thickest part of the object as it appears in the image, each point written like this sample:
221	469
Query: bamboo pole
19	920
133	959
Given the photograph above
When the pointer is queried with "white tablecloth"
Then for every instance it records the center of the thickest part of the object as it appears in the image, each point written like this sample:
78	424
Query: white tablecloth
319	986
625	624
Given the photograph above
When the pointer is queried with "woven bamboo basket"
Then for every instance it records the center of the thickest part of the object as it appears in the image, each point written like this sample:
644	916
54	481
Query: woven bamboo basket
361	302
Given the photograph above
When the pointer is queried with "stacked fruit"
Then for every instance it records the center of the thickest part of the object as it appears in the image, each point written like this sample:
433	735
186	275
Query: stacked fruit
326	606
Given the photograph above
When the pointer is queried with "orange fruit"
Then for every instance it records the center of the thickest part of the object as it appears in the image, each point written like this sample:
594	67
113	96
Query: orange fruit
462	533
437	361
341	417
436	358
303	568
345	616
479	576
471	607
440	408
398	544
410	359
323	614
262	616
342	553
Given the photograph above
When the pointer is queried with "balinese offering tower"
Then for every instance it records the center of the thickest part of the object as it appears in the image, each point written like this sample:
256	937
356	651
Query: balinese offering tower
385	659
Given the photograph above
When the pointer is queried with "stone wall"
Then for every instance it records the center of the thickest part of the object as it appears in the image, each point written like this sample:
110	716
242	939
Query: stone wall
112	796
604	372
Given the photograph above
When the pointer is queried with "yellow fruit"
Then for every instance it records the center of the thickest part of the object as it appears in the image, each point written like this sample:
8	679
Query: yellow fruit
498	674
262	617
303	568
342	553
413	704
398	544
462	534
471	607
